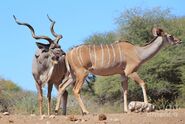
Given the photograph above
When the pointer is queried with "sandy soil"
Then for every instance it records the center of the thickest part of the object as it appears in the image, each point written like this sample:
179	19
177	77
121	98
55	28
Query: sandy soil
157	117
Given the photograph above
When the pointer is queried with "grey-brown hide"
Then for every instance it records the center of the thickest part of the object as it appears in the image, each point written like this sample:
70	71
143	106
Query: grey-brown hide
48	66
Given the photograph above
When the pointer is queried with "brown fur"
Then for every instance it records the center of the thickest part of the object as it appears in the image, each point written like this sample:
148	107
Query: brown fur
118	58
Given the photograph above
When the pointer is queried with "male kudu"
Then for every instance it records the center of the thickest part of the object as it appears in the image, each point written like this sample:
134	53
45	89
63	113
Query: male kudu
48	66
120	57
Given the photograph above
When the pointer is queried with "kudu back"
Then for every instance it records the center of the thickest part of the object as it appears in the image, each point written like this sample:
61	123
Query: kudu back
48	66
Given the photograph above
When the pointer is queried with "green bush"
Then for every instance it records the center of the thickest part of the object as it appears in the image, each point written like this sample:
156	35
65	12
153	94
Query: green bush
16	100
108	88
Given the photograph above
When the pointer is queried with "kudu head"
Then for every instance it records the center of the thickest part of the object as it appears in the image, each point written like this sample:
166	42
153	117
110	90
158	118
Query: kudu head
52	51
169	39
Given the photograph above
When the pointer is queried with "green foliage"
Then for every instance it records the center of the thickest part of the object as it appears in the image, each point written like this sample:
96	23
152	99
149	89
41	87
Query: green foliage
108	89
8	85
136	24
16	100
101	38
26	103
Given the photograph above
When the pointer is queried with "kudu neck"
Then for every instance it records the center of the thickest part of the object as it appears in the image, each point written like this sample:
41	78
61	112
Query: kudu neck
148	51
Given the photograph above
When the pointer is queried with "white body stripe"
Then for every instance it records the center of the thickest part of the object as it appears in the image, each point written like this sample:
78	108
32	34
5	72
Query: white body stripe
80	51
102	57
78	56
94	55
113	54
120	55
72	56
90	56
108	55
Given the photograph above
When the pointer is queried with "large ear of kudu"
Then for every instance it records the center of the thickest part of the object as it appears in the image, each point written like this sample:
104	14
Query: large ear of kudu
157	32
43	46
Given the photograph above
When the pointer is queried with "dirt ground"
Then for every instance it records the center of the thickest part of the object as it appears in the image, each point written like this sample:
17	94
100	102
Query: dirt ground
158	117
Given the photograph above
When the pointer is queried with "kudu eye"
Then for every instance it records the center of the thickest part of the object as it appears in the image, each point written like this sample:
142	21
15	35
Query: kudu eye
52	48
44	50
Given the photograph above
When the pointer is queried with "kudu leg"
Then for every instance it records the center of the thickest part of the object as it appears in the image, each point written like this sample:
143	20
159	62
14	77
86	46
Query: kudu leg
61	92
64	102
134	76
50	86
76	90
124	84
40	97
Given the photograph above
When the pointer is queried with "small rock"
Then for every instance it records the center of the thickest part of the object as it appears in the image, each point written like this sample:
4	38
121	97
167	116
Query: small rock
32	115
102	117
72	118
6	113
10	121
138	106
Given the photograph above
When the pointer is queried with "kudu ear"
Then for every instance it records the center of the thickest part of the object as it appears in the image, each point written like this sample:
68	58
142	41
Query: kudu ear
42	46
157	32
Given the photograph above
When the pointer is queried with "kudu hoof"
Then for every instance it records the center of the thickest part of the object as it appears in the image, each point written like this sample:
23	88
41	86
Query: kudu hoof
63	113
125	111
56	112
85	113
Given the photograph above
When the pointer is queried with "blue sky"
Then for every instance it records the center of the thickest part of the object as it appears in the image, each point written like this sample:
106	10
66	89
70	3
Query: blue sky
76	20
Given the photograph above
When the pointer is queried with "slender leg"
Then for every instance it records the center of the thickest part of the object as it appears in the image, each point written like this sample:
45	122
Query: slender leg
40	96
61	91
134	76
64	102
124	84
50	86
76	90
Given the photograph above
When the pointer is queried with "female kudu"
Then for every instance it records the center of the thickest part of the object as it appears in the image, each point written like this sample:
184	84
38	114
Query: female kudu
118	58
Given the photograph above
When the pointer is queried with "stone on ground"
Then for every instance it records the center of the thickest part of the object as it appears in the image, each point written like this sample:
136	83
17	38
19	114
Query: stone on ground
137	106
